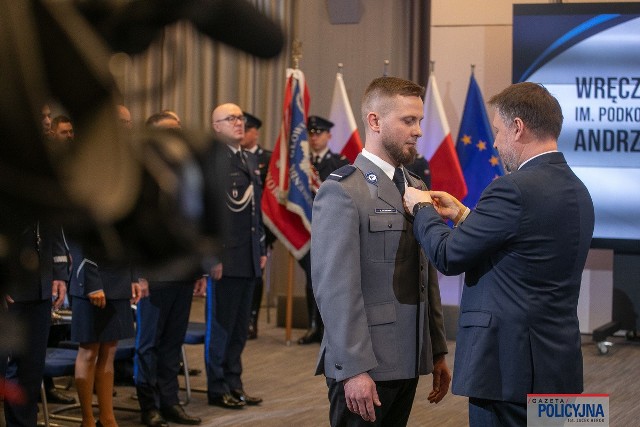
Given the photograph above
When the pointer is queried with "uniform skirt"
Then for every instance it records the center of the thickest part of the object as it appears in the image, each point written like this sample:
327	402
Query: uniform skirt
90	324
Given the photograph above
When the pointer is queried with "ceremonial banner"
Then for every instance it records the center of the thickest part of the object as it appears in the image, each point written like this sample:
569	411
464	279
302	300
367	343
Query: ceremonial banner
287	198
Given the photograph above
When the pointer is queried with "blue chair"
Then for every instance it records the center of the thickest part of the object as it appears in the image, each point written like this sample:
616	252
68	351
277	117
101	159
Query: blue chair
59	362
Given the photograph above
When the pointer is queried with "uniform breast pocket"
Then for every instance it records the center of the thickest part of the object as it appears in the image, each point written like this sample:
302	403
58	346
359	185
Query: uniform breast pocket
387	236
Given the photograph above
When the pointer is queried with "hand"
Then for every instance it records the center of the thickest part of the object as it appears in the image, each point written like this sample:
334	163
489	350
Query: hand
136	292
361	394
144	288
216	271
58	291
263	261
441	380
447	206
98	299
200	287
413	196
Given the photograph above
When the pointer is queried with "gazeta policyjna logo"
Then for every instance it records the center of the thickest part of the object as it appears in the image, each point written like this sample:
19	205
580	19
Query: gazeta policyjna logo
550	410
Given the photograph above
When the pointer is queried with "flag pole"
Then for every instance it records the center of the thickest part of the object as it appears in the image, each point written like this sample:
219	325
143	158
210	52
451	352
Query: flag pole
340	66
385	71
473	68
296	54
432	66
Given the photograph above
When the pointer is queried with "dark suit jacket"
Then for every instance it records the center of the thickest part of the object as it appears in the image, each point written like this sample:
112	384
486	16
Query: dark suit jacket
523	250
44	249
372	284
244	241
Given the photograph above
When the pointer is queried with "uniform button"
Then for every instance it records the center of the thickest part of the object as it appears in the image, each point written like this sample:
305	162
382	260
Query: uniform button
390	225
422	288
338	367
253	229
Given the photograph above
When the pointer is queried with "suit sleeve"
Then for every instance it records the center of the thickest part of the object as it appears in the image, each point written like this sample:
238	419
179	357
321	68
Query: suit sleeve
60	253
336	280
494	222
436	318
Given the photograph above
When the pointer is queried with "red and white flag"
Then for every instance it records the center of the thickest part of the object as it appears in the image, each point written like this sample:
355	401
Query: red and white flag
345	138
437	146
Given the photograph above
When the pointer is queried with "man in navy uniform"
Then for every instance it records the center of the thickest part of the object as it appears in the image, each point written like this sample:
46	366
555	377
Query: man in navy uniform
242	259
250	144
162	320
325	161
39	277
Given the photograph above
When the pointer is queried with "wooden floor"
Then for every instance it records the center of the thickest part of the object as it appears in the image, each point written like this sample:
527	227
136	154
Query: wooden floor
293	396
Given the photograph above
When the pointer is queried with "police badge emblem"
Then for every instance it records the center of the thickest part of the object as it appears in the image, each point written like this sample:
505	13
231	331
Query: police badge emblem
371	178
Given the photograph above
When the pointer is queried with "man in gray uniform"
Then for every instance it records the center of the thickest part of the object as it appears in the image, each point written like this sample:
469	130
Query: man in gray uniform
377	293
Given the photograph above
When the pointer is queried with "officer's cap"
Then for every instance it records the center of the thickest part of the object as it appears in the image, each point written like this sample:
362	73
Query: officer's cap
316	124
252	121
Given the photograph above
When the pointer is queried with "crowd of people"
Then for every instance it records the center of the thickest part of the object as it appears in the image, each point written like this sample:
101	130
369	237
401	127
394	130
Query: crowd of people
378	238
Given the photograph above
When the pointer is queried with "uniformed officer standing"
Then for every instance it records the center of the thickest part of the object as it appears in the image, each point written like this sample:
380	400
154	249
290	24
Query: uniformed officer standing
38	277
162	320
250	144
243	257
325	162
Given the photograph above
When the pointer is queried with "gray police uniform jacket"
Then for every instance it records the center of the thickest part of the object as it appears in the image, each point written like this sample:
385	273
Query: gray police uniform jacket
377	293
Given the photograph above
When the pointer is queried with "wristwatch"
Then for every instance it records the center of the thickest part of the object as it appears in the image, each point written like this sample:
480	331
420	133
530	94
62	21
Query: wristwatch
419	206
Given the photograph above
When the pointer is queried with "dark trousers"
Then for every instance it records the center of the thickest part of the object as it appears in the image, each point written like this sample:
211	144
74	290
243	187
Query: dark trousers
396	398
25	366
162	320
496	413
227	317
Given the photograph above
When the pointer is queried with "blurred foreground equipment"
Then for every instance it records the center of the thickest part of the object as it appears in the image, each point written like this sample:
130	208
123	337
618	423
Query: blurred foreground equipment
143	198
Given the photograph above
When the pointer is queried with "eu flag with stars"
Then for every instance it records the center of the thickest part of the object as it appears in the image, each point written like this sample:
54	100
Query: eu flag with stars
479	161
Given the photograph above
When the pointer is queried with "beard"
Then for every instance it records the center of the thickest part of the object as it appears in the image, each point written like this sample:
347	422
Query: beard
400	152
509	159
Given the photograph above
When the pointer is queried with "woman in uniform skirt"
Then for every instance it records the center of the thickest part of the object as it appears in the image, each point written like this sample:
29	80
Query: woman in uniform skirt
101	306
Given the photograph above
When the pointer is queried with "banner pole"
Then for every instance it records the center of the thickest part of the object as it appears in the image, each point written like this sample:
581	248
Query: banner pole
289	311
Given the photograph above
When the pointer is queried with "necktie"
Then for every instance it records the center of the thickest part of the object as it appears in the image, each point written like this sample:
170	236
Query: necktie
240	155
398	180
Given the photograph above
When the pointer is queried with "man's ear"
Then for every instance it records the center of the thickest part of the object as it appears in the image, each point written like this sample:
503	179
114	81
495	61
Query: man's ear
373	120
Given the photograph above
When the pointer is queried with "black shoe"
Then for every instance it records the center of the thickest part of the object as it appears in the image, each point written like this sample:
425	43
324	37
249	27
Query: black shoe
56	396
176	414
192	372
312	335
227	401
153	418
244	397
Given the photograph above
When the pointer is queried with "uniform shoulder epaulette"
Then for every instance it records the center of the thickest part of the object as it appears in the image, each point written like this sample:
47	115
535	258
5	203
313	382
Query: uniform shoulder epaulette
342	172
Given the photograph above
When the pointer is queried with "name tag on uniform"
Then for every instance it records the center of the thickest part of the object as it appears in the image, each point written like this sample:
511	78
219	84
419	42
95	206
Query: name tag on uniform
386	210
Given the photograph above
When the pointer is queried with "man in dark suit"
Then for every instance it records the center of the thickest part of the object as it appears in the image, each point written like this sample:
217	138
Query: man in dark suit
523	250
250	144
162	320
242	259
325	161
36	279
377	293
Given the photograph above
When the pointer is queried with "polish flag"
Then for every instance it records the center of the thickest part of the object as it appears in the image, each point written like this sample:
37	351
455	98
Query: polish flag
437	146
345	138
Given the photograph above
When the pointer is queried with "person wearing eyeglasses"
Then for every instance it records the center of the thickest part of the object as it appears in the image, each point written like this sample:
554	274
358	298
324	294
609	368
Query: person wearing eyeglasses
242	259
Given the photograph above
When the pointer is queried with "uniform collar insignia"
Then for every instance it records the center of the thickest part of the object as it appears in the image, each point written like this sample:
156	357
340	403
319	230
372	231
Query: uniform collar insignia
371	178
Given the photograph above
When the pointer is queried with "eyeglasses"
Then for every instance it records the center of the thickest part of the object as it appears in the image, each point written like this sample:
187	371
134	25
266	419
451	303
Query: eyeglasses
232	119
